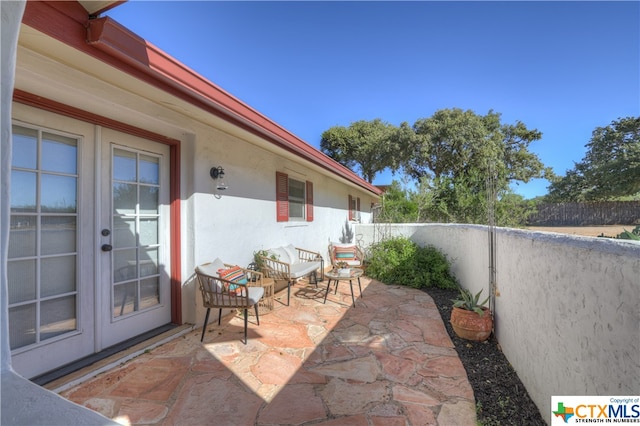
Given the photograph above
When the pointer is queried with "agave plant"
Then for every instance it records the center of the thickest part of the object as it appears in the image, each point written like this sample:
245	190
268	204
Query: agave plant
468	301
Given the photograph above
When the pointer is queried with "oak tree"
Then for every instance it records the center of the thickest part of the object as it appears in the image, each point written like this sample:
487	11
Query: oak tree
609	170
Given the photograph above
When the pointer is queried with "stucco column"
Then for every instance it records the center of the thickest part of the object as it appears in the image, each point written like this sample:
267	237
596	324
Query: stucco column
11	18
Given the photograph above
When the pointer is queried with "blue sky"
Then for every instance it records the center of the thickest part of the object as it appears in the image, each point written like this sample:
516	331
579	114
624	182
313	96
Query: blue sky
563	68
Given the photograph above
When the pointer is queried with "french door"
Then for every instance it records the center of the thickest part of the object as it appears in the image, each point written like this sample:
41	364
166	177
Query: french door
134	237
88	259
50	259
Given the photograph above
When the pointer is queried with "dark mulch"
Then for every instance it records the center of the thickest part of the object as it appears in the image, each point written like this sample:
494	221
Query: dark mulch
501	398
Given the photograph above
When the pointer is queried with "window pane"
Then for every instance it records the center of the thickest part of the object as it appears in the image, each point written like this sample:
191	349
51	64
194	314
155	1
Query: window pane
124	165
148	199
21	275
58	275
125	198
124	299
59	194
124	232
23	191
24	152
149	263
58	234
296	209
125	265
149	292
22	326
149	169
57	317
22	236
296	189
148	231
59	154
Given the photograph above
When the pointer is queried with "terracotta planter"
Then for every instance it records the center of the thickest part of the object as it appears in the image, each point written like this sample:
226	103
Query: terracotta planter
471	326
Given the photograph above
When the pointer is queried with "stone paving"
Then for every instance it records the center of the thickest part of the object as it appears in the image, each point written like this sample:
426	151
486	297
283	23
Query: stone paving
388	361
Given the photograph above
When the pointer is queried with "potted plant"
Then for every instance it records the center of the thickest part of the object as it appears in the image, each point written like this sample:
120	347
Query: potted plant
343	268
257	258
470	319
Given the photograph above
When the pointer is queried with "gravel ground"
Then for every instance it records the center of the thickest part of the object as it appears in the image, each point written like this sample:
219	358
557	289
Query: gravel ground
501	398
587	231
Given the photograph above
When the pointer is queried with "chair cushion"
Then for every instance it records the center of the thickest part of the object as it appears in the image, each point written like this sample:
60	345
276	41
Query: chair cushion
211	268
302	269
254	294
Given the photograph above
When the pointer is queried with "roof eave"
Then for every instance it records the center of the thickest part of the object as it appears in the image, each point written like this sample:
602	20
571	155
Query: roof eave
112	43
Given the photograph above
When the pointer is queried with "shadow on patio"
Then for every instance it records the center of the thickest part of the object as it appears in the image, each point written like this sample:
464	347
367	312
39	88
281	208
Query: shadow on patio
388	361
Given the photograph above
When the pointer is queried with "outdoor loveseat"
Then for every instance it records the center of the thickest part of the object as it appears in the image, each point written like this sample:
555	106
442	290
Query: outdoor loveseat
289	263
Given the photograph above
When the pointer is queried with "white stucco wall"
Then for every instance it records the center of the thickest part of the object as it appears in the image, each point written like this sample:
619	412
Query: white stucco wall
568	307
234	223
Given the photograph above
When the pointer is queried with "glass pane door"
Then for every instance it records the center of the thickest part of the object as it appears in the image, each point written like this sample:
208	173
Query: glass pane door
43	257
136	246
135	268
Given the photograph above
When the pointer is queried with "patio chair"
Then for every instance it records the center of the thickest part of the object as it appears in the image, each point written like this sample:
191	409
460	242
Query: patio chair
290	263
346	252
225	286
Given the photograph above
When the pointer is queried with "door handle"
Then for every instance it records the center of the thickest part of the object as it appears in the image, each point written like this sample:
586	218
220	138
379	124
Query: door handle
107	247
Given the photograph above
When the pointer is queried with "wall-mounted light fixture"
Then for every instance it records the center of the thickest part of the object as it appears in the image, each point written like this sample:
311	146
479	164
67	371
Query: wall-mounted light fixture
217	173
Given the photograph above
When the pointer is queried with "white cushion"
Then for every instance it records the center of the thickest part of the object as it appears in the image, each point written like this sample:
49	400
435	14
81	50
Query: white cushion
343	244
280	254
293	254
302	269
211	268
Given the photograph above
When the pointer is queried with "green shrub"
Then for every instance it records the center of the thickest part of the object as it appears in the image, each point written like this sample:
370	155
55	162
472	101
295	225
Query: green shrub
630	235
401	261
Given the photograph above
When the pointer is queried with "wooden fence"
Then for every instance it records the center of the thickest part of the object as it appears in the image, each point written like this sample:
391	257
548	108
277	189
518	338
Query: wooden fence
587	214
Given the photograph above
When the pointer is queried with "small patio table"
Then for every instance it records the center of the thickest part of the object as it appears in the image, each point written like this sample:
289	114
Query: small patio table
354	273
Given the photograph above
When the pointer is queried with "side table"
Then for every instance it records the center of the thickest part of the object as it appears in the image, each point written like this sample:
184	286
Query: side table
354	273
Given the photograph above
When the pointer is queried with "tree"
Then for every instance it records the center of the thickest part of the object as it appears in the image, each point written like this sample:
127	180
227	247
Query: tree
454	153
455	143
371	146
396	205
610	169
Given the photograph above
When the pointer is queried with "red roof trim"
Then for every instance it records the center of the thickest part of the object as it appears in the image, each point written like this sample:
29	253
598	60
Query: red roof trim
115	45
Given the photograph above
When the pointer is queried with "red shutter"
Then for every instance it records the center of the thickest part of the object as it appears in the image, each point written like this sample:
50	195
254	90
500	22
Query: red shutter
309	201
282	197
358	207
350	209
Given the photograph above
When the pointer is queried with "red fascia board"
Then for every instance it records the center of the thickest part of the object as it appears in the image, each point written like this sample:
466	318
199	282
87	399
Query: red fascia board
110	42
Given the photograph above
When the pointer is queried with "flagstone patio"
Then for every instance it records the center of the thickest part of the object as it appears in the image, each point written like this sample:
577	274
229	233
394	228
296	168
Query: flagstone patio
388	361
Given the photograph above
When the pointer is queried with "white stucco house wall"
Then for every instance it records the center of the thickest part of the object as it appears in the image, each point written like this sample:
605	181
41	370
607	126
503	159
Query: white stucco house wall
112	203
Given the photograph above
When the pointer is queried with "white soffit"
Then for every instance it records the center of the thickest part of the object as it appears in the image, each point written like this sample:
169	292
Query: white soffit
93	6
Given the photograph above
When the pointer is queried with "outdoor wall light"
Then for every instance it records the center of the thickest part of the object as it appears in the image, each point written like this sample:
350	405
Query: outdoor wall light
217	173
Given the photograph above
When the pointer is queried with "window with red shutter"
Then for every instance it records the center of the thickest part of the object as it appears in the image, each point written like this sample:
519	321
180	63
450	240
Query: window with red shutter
282	197
309	201
294	199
